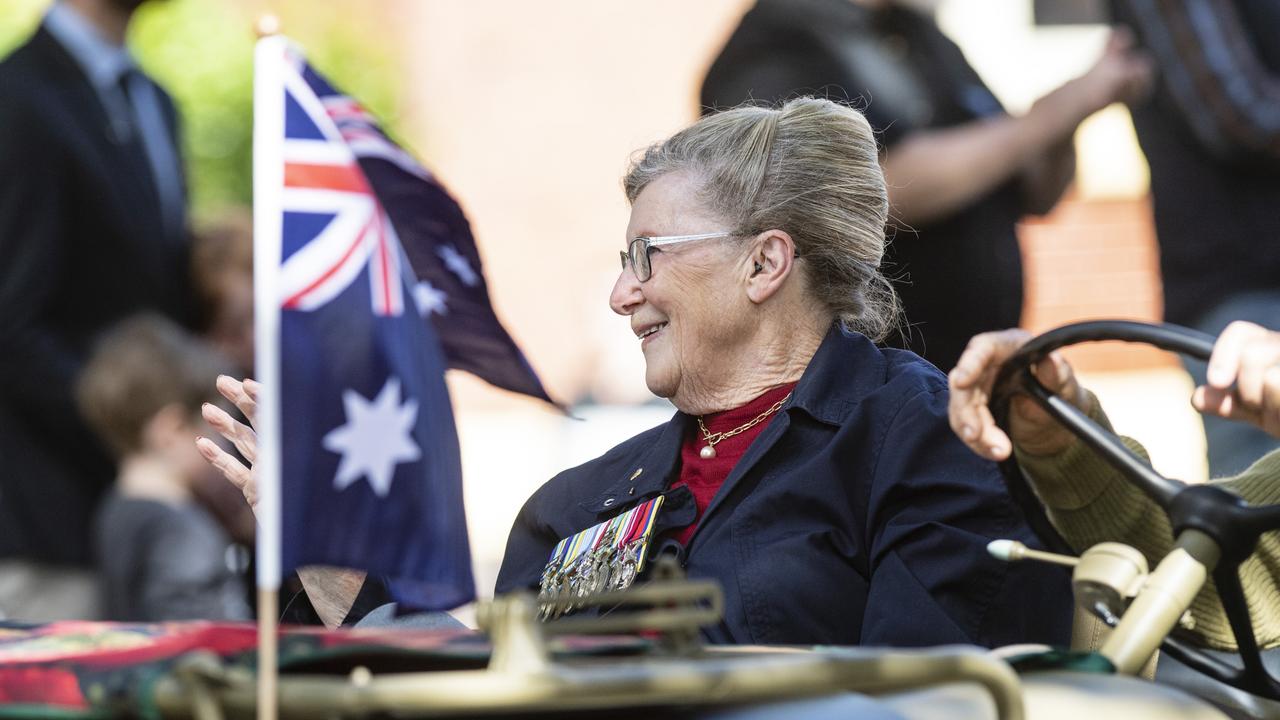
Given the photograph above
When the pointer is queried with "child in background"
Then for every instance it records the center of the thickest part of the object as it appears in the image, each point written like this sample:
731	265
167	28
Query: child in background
160	553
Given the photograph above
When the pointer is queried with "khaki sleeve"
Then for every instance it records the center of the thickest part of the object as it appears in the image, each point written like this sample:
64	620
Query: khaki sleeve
1090	502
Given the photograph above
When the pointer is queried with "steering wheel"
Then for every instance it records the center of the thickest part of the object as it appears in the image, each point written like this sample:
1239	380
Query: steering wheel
1232	523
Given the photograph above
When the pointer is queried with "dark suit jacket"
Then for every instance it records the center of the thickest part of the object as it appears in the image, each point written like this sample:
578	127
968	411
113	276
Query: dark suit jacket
82	245
855	517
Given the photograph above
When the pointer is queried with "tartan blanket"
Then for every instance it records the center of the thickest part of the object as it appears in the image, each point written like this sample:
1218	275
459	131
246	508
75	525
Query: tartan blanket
77	670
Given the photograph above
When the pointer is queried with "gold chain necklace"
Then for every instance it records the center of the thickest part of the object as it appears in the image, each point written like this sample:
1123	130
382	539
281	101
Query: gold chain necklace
709	451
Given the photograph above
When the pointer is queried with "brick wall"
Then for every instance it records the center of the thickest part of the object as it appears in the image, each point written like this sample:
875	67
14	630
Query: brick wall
1092	259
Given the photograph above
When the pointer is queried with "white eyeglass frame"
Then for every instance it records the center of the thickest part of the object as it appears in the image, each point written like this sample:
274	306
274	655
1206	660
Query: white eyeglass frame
649	242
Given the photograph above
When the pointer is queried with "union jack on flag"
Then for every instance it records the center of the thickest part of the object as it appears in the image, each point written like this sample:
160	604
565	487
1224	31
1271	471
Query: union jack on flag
367	286
409	203
323	179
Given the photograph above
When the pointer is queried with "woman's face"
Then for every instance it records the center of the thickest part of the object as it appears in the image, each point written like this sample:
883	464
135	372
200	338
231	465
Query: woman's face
688	316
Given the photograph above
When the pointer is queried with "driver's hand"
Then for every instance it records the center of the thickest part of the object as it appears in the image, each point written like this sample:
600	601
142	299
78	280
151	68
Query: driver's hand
1247	355
1035	432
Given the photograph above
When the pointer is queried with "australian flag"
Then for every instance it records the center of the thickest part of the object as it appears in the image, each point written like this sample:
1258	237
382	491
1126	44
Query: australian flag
379	288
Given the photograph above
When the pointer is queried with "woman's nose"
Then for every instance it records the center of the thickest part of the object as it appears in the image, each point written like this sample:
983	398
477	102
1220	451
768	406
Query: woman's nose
626	295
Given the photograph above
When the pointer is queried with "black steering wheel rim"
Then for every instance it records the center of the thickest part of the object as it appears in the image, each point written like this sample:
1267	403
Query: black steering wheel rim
1224	517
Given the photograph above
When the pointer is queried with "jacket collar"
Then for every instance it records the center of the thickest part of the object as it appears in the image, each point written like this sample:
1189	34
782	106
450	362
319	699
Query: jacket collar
100	61
827	391
651	473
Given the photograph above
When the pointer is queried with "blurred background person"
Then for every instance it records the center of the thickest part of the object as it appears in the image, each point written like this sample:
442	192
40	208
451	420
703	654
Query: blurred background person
92	218
961	171
1211	136
161	554
222	272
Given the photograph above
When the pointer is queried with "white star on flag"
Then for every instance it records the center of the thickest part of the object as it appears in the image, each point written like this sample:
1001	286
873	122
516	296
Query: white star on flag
376	438
429	300
458	265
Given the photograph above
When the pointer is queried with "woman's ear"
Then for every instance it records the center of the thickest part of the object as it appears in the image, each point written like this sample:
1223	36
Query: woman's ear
772	257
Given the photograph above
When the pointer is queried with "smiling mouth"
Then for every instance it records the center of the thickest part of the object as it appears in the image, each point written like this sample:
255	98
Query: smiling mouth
650	332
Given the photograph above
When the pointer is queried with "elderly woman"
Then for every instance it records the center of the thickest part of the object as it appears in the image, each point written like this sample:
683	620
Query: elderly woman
810	472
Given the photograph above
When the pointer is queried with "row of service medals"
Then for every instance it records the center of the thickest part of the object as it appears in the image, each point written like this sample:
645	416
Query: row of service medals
603	558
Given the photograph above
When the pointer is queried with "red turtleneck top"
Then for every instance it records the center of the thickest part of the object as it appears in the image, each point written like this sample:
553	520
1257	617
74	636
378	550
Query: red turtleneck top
704	477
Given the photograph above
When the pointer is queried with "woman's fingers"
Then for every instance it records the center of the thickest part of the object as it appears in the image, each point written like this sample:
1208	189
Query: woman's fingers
240	435
244	395
232	469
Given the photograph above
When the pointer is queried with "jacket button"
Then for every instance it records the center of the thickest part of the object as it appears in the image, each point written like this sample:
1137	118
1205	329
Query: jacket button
608	502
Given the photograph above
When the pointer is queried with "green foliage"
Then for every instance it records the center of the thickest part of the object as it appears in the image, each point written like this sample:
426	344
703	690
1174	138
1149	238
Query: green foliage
17	19
201	51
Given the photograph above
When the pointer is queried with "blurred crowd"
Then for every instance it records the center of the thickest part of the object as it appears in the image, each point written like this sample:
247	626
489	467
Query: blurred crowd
117	319
117	316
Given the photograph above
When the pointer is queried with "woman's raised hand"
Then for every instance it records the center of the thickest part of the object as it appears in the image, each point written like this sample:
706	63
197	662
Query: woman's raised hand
1247	356
244	395
1033	429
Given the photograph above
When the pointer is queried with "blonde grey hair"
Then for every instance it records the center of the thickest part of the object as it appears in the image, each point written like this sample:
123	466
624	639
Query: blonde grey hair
809	168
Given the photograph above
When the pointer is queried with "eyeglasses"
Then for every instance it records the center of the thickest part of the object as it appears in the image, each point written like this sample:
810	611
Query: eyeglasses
637	253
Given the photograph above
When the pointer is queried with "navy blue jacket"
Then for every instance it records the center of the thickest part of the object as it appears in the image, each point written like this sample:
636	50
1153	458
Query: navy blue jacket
855	517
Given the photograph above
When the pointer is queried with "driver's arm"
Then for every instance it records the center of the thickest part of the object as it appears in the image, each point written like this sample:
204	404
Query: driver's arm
1089	502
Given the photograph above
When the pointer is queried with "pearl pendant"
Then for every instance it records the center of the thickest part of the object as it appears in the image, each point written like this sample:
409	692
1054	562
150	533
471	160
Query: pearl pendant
707	453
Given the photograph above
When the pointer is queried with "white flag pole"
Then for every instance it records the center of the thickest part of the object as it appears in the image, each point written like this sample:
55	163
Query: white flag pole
268	181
